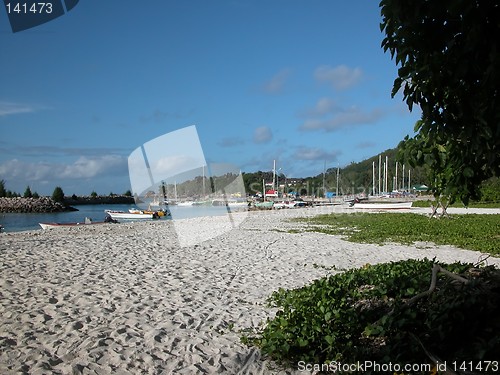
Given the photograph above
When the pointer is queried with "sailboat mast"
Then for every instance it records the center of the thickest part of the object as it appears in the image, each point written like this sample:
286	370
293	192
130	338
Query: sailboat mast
324	171
379	171
274	174
409	180
403	187
373	178
386	174
203	181
396	178
337	189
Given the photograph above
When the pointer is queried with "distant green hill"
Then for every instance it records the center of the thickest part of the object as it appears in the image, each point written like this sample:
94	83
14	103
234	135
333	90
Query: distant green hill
358	177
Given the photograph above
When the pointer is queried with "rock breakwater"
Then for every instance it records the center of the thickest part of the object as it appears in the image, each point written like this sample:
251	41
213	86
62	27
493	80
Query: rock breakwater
117	199
36	205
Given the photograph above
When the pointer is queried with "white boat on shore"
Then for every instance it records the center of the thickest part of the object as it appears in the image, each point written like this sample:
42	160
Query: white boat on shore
185	204
136	214
266	205
285	204
384	205
237	204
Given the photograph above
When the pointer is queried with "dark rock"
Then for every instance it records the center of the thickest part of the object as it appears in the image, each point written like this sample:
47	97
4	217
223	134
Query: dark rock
36	205
116	199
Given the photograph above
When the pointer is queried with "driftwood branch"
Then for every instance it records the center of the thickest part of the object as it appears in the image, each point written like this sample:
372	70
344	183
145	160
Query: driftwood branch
444	211
434	358
435	270
483	259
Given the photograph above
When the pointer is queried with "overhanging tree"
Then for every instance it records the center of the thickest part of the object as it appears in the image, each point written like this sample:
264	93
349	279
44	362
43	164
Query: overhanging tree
448	54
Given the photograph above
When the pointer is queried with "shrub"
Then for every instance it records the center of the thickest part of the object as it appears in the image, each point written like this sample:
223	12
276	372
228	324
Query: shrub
364	314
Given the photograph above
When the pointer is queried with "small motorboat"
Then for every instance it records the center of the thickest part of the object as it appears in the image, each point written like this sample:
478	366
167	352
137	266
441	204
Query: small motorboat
129	215
134	214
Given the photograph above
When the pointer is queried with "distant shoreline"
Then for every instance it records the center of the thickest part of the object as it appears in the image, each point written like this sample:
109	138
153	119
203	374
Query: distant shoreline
32	205
47	205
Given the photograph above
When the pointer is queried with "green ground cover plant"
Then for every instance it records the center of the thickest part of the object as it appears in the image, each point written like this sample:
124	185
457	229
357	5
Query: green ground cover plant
429	202
372	313
474	232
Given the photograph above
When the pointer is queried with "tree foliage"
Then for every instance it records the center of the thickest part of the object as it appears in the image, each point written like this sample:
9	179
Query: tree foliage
3	192
58	194
7	193
449	65
28	193
490	190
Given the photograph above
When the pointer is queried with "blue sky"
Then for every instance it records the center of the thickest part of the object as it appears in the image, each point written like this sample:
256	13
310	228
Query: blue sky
299	82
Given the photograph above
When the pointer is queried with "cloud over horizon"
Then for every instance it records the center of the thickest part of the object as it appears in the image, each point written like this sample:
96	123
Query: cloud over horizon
82	168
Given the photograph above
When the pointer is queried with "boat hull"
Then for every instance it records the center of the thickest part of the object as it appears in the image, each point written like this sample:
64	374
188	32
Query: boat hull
264	205
384	206
63	225
116	215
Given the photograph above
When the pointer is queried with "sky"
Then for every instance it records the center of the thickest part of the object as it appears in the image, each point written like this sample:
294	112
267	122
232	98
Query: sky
302	82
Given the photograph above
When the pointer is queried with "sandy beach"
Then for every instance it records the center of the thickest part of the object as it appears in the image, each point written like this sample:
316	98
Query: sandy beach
128	299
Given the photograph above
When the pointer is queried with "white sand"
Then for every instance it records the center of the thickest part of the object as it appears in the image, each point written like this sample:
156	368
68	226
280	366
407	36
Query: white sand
127	299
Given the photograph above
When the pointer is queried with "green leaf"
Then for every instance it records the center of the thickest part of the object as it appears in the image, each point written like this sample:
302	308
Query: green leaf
329	340
468	172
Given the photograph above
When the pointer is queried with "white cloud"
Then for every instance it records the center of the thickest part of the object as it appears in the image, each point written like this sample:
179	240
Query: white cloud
348	117
277	83
82	168
86	167
340	77
173	165
231	142
9	108
314	153
262	134
323	107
